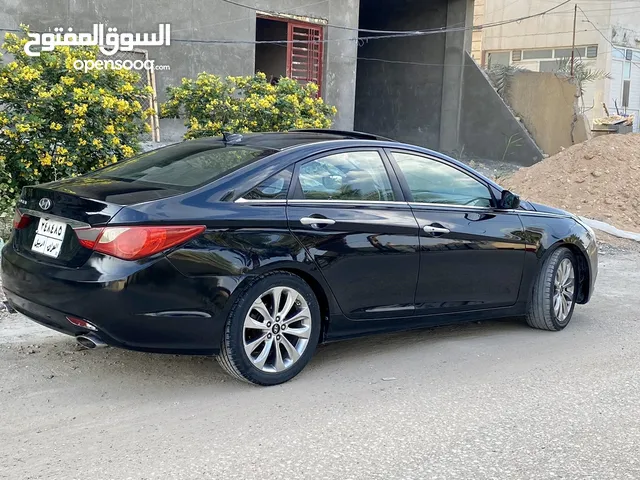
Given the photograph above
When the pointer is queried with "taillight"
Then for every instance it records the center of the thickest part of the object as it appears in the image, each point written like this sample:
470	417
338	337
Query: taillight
132	243
20	220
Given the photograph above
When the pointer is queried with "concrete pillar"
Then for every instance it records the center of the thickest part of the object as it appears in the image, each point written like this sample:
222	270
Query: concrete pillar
459	14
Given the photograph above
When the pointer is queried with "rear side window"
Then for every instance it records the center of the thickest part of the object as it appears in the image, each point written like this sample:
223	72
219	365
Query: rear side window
185	166
274	188
346	176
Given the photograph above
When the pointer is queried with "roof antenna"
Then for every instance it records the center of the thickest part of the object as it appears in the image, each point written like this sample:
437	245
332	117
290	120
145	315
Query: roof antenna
231	137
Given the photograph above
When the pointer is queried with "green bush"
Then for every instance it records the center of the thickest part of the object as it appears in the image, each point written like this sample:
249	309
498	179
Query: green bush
57	121
212	105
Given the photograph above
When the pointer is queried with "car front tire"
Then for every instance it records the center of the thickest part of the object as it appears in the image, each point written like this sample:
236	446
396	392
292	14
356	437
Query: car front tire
553	297
272	330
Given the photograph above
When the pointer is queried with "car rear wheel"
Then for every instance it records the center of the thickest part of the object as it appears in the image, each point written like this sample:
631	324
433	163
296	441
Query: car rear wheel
272	330
554	292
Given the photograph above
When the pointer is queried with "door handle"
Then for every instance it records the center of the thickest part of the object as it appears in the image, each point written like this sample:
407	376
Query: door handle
316	221
440	230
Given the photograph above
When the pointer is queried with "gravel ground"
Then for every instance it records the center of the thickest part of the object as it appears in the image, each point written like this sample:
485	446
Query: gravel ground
491	400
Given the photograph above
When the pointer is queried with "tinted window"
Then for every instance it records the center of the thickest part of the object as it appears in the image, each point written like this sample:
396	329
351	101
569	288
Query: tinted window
346	176
185	166
435	182
274	188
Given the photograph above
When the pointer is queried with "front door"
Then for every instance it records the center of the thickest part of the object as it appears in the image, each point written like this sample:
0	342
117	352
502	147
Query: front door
471	254
349	214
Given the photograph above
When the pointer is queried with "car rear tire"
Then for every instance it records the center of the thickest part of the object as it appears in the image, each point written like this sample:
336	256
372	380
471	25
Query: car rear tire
553	297
272	330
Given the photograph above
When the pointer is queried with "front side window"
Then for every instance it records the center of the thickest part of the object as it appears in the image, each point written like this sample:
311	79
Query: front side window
346	176
431	181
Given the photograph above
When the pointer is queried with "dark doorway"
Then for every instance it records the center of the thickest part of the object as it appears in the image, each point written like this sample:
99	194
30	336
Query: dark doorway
399	80
271	58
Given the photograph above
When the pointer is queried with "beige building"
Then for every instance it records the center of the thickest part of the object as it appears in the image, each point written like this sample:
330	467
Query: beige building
607	38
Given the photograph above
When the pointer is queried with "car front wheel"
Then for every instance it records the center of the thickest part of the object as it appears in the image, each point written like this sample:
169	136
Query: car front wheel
554	292
272	330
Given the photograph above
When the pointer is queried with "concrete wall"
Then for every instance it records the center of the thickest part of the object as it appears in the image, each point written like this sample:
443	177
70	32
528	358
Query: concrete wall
547	105
399	94
198	21
488	129
555	30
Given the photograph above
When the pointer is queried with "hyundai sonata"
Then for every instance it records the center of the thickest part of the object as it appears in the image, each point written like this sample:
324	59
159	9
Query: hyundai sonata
257	247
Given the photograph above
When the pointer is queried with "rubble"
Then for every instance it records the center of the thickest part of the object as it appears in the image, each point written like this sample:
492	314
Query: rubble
597	179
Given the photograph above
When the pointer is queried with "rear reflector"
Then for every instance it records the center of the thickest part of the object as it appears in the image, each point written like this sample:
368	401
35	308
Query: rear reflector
132	243
20	220
78	322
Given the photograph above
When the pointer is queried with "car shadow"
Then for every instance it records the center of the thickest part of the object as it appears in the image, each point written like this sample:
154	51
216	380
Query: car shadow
64	358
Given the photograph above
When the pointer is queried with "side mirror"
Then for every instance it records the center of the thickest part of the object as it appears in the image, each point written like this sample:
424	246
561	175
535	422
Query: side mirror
509	201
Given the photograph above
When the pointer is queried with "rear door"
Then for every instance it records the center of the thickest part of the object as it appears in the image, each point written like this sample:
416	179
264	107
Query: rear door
350	215
471	254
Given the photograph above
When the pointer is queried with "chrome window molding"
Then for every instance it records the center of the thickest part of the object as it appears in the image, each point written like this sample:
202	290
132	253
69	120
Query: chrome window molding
261	200
365	203
449	205
68	221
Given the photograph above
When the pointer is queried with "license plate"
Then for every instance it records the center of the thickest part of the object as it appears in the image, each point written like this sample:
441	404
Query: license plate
49	237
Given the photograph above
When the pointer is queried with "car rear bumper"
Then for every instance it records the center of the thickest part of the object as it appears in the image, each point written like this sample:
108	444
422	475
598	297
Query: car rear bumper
147	307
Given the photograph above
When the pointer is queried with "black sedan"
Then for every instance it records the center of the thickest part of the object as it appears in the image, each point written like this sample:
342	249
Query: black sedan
257	247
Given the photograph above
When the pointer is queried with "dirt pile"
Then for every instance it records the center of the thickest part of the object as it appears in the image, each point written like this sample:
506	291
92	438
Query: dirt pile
598	179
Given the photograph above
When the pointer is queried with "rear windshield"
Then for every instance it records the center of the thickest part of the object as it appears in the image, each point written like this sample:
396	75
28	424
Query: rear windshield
183	167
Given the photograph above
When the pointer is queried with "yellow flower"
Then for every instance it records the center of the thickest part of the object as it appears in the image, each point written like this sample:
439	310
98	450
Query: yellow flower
69	164
78	124
28	73
55	126
80	110
108	101
126	88
127	151
22	127
61	151
46	159
82	142
97	143
68	80
122	106
109	130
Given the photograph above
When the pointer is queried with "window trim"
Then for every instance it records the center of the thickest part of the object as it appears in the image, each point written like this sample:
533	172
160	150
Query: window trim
295	190
407	190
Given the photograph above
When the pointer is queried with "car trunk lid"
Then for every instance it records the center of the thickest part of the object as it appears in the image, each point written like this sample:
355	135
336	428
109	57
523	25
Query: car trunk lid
56	211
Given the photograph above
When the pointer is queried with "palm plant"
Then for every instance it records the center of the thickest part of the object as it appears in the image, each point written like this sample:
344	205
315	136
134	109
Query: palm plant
500	76
582	74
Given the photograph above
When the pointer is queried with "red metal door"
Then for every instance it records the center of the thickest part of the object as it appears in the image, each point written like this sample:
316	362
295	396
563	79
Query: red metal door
305	53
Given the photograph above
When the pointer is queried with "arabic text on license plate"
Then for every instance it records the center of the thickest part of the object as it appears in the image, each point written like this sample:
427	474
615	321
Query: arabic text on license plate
49	237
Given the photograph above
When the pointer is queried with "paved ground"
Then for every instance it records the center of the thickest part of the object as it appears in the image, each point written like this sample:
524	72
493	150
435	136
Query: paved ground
491	400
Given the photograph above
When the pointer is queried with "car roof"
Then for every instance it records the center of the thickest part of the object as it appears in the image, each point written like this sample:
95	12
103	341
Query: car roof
283	140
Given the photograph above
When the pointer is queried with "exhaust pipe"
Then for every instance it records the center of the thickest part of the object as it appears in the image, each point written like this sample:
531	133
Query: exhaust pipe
7	307
91	341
